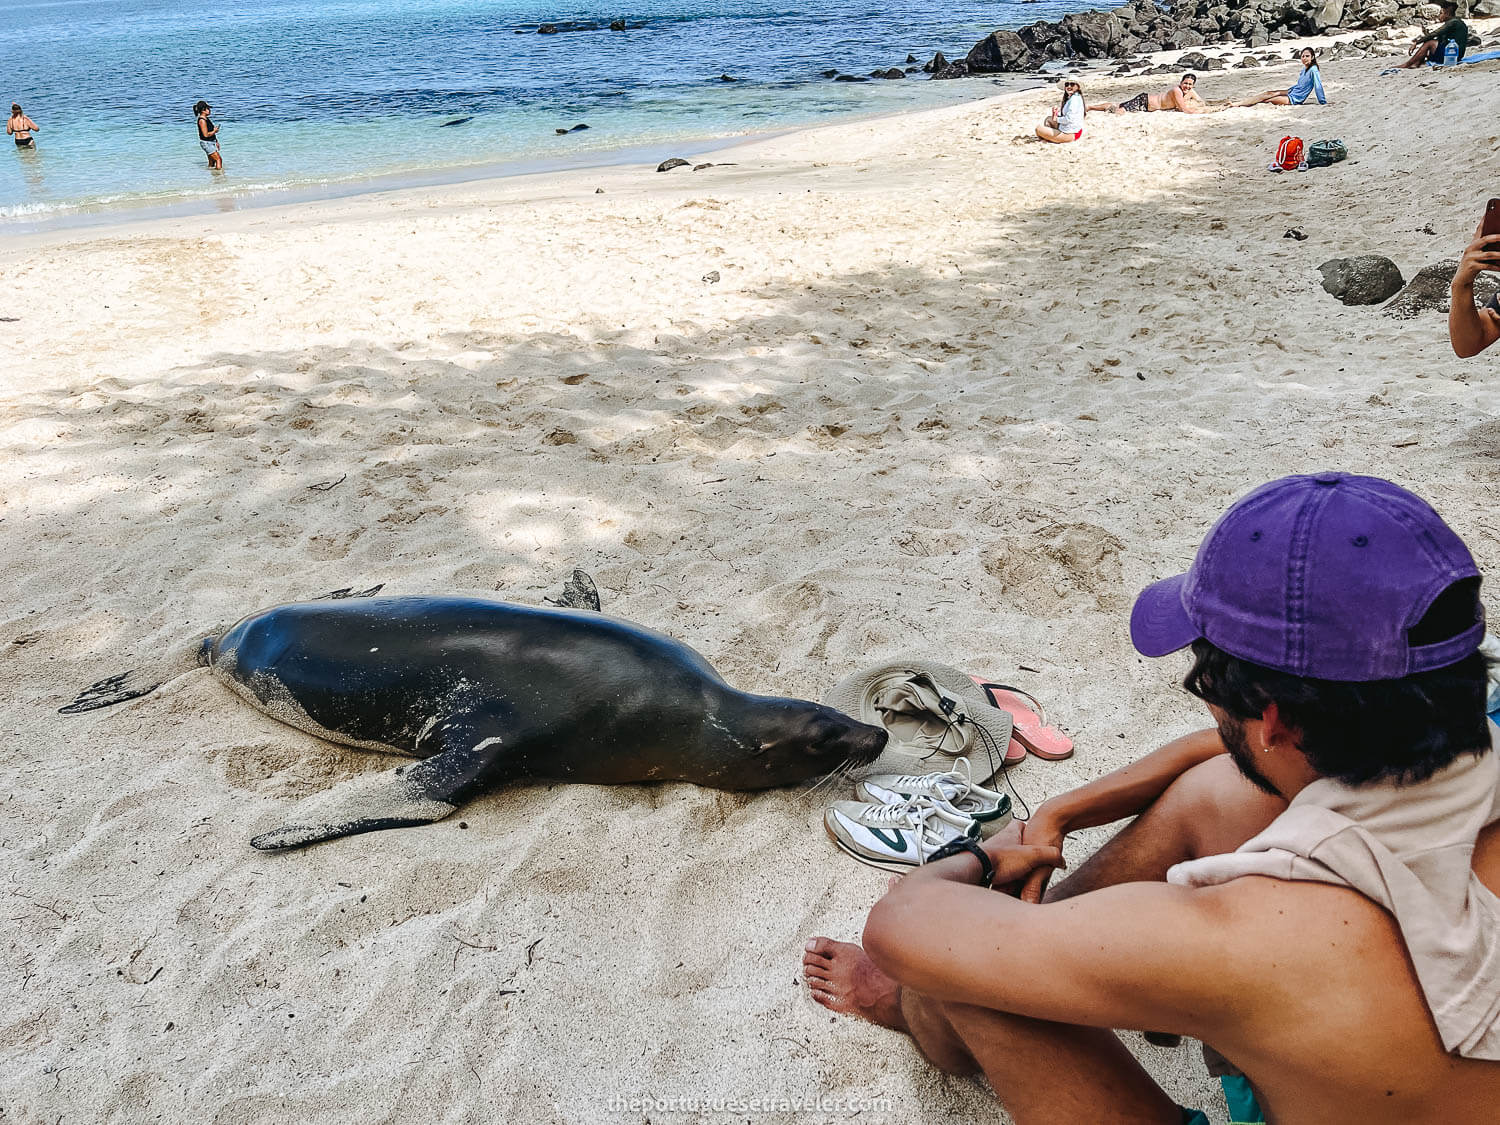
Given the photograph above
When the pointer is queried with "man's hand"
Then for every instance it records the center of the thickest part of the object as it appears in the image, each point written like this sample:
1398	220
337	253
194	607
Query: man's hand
1481	255
1471	330
1026	855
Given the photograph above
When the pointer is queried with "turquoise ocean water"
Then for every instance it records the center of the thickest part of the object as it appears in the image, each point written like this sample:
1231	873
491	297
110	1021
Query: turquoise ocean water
332	95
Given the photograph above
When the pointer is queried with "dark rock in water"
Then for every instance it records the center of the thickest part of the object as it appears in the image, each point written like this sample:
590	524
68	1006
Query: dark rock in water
893	72
1366	280
958	69
850	78
935	64
455	121
560	132
830	74
547	29
617	25
1000	51
578	128
668	165
727	78
1429	291
700	167
911	58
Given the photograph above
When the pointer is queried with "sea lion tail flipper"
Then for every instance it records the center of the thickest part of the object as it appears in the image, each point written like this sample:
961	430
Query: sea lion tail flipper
579	592
107	692
181	657
400	798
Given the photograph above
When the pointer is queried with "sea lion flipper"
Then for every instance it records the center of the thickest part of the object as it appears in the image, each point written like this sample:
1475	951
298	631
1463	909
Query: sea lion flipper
109	691
400	798
392	799
578	592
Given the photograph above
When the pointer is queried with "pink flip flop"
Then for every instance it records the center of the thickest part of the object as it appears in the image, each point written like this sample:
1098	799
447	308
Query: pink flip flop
1029	727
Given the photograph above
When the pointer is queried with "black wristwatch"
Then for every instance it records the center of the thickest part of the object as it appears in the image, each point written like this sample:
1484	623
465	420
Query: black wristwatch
971	845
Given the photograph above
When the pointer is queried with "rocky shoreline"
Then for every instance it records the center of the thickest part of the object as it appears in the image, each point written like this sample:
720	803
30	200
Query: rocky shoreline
1141	27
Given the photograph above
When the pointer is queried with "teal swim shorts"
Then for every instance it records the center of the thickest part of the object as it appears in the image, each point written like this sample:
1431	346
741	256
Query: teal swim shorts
1243	1108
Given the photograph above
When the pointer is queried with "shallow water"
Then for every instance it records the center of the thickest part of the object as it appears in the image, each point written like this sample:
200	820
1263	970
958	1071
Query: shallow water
339	92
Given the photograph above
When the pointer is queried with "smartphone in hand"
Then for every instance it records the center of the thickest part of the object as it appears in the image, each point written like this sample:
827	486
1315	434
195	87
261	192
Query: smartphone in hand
1491	224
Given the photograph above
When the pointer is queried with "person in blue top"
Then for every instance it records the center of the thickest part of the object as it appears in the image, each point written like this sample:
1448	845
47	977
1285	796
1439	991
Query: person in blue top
1308	84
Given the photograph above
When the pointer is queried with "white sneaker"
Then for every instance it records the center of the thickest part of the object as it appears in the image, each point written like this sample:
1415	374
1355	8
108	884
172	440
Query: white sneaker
954	788
906	833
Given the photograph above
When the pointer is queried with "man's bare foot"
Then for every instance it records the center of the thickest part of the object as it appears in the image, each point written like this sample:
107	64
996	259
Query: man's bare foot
843	978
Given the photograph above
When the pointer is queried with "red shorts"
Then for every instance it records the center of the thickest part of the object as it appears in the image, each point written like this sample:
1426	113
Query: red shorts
1078	134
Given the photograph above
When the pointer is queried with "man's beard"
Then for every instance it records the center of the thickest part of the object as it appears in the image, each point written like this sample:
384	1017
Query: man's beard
1232	731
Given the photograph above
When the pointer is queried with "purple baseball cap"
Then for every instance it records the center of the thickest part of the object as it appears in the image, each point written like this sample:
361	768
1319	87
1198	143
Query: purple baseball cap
1318	576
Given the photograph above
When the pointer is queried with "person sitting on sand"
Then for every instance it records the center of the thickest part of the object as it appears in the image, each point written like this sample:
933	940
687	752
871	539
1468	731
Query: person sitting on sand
21	127
1429	48
1470	329
208	135
1182	97
1335	626
1066	123
1308	83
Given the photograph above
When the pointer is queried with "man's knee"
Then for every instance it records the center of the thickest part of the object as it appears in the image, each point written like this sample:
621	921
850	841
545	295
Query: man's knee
1216	808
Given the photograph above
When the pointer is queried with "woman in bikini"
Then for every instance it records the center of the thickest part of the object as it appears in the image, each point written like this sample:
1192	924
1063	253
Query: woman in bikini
21	127
1066	124
208	135
1308	83
1182	97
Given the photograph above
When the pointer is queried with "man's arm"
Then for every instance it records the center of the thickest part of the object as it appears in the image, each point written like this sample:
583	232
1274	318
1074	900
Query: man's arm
1138	955
1471	330
1121	793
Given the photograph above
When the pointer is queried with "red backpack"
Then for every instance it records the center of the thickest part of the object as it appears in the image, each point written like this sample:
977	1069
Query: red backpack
1289	155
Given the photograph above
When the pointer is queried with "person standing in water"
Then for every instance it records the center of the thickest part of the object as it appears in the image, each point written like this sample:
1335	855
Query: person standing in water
21	127
208	135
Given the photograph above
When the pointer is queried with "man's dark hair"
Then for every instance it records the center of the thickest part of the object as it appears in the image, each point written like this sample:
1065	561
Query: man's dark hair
1384	730
1402	731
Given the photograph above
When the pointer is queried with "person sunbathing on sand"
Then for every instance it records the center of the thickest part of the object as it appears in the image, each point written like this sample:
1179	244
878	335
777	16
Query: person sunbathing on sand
1182	97
1354	988
1308	83
1066	123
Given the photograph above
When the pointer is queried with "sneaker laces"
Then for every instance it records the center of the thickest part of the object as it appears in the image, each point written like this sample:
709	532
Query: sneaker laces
962	777
914	816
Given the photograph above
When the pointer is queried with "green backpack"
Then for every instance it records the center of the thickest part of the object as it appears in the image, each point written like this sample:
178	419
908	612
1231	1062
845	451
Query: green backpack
1320	154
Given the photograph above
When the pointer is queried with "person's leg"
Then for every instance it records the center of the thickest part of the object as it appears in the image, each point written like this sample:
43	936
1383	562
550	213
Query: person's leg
1270	97
1419	56
1209	810
1043	1073
1052	136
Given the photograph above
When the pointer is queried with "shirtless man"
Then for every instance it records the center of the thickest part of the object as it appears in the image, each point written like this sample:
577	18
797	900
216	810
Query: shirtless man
21	127
1182	97
1369	605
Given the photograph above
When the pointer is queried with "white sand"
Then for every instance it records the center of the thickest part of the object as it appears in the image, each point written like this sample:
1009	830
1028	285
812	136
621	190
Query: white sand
951	394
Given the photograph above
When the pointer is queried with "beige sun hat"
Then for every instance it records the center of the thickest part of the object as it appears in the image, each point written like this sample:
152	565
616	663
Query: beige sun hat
934	715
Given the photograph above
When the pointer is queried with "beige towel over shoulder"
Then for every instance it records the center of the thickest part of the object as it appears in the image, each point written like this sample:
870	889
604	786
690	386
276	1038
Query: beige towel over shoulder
1409	849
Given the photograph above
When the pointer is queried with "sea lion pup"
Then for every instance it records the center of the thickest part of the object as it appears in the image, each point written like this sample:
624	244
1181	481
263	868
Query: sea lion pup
488	692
